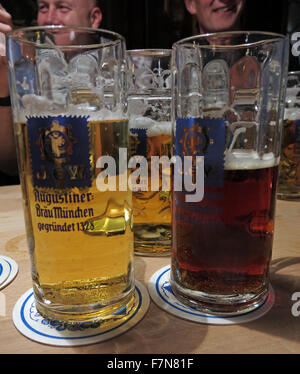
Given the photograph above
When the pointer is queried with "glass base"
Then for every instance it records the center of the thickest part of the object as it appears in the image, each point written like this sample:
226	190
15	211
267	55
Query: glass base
152	240
288	191
219	304
106	314
291	196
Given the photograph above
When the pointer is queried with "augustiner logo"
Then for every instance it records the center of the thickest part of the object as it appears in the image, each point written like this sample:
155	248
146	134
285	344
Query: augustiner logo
203	137
56	142
195	140
60	150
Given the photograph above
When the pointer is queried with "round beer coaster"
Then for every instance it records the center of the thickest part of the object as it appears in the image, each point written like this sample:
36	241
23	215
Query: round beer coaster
31	324
13	271
161	293
4	270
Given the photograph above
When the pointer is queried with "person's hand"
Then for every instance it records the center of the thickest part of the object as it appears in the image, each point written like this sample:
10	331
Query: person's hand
5	21
5	27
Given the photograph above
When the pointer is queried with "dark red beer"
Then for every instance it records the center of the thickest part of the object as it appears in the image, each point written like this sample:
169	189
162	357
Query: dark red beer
223	244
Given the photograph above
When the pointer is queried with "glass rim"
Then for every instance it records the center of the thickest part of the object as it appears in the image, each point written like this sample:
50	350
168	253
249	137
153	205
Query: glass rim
190	41
14	35
150	51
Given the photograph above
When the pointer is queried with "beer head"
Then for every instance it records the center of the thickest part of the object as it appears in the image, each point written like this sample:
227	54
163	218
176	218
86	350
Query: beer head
154	128
249	160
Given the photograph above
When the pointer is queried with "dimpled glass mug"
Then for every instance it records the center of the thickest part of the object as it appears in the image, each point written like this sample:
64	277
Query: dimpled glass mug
289	173
228	102
149	107
68	89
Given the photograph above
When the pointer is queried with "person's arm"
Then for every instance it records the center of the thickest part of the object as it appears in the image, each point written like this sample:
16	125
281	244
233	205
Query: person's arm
8	163
8	158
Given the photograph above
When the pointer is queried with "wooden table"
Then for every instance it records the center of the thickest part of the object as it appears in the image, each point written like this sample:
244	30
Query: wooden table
159	332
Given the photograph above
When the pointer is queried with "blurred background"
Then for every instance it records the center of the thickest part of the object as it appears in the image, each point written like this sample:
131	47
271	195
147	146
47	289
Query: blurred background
159	23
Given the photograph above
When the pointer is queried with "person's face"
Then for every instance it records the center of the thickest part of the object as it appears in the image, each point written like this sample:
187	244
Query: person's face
216	15
68	13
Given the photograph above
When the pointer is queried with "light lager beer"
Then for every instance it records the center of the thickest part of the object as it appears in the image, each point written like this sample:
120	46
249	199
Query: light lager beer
69	108
81	240
149	107
151	208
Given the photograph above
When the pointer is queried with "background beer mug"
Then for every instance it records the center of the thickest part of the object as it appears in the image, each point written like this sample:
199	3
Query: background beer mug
289	173
228	105
149	105
69	109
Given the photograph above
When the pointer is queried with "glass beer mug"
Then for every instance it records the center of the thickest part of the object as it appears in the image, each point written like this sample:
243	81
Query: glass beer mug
228	104
149	107
68	89
289	173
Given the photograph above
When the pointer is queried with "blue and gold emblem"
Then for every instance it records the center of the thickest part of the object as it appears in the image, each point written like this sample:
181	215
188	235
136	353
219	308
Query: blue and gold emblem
60	151
203	137
195	140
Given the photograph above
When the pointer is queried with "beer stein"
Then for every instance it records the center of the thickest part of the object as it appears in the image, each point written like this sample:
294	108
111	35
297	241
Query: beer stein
68	90
289	172
228	102
149	107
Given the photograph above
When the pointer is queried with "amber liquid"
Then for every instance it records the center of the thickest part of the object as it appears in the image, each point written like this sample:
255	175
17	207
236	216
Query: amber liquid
152	209
289	172
223	244
80	240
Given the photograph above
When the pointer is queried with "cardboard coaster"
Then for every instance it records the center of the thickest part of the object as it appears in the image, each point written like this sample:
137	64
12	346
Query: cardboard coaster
13	271
4	270
31	324
161	293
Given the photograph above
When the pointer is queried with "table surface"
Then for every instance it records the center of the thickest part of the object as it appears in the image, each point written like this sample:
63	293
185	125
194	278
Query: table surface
278	331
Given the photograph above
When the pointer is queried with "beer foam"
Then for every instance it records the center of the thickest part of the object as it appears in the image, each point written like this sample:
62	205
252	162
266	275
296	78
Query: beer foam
240	160
105	114
154	128
292	114
38	106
